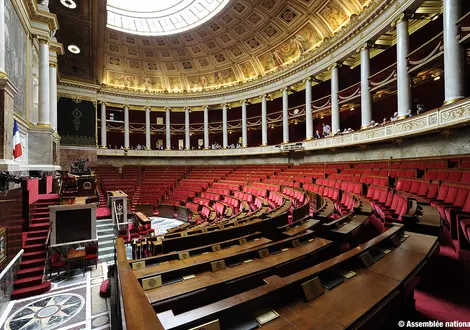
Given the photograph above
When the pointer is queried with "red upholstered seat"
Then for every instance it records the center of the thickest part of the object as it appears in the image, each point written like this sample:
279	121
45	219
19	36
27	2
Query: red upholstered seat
105	291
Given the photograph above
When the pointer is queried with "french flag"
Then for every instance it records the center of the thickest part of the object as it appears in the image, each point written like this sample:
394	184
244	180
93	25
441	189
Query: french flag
17	151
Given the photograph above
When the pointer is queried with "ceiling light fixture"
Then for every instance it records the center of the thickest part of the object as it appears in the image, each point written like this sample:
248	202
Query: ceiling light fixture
69	4
437	78
435	17
73	49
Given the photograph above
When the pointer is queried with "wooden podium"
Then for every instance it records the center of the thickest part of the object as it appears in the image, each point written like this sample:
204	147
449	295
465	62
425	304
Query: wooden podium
118	201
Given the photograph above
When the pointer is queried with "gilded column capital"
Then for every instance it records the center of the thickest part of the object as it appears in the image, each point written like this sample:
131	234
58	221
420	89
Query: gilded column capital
334	66
402	17
43	39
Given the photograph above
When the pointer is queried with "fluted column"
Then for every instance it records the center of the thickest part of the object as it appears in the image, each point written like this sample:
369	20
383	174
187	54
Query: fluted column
308	110
335	123
104	141
264	121
2	37
187	132
403	78
366	98
285	115
148	143
168	128
126	127
224	126
206	127
53	94
454	70
44	119
244	125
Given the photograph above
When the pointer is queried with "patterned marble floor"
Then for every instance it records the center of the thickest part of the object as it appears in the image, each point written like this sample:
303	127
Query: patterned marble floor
71	304
162	225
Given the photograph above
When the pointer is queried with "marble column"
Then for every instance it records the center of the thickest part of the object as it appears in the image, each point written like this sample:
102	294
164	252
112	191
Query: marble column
403	78
53	94
104	141
308	110
454	70
285	115
148	143
187	129
264	121
224	126
2	38
168	128
366	98
44	119
335	122
244	125
126	127
206	127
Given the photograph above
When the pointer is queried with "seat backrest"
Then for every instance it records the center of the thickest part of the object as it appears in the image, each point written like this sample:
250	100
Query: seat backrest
433	190
455	176
54	257
461	197
407	186
465	177
430	174
442	175
451	195
400	183
389	199
423	189
414	187
443	190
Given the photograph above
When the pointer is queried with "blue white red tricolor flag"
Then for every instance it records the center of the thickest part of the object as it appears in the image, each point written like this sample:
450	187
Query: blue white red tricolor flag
17	151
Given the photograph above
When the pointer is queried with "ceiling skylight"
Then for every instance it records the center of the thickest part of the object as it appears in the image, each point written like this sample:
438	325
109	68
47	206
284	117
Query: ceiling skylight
160	17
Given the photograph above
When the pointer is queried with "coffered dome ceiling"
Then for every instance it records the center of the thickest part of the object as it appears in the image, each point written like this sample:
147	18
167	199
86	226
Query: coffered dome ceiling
245	41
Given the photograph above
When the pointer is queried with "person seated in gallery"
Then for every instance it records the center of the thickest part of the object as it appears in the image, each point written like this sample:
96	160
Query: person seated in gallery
317	135
181	148
350	130
338	132
384	121
200	147
122	147
409	114
372	124
420	108
394	117
326	130
345	131
238	146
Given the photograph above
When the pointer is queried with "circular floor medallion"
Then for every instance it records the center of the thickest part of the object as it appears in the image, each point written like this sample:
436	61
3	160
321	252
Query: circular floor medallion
46	313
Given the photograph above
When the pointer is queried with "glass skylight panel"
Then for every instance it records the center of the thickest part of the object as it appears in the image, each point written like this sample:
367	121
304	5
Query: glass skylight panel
161	17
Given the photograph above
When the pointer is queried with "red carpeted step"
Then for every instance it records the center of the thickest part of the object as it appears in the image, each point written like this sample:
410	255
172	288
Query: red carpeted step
31	290
34	255
28	281
39	226
40	220
28	272
32	263
36	233
35	240
33	247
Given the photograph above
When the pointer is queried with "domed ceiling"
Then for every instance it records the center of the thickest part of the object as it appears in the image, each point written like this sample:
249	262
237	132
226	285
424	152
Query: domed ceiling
244	41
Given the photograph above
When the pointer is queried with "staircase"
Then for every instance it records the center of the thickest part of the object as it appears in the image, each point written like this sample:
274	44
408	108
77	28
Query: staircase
103	200
30	278
106	237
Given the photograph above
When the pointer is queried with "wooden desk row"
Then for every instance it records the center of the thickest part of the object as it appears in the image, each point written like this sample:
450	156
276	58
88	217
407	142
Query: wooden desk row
386	274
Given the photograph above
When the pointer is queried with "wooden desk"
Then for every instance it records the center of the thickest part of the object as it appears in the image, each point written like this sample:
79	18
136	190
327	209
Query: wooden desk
143	219
365	300
350	228
74	255
174	265
301	228
80	200
207	280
